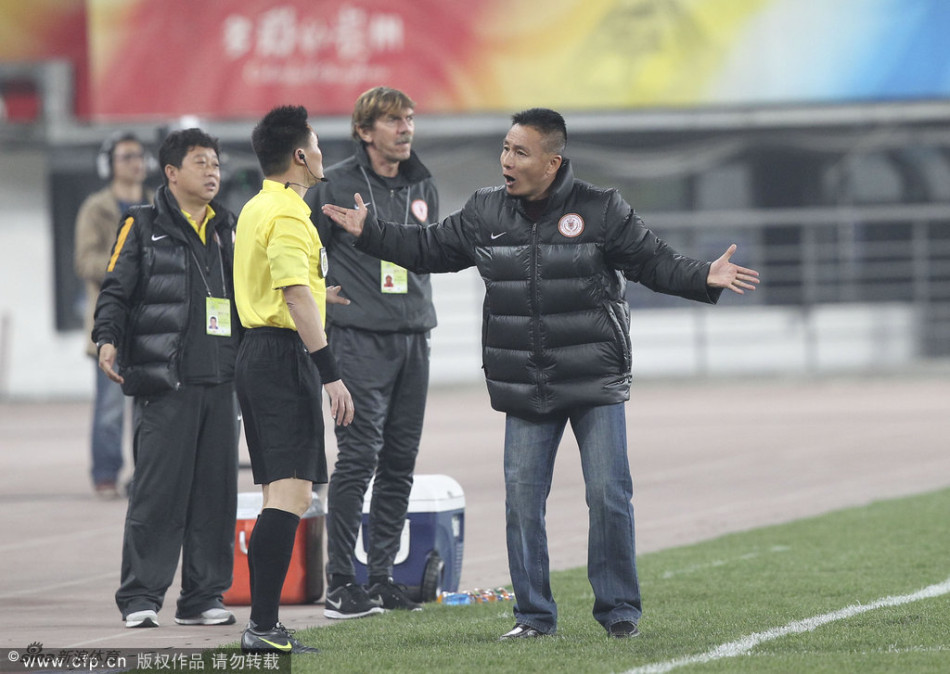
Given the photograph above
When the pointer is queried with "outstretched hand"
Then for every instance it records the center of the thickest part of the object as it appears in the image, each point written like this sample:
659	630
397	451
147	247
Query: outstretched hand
350	219
725	274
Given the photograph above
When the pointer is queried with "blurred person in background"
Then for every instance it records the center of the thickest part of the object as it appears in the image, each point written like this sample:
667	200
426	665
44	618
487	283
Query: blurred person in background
170	270
555	253
122	161
381	340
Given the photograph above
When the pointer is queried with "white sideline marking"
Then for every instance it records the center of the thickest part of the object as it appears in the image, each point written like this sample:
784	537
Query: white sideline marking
58	586
746	644
722	562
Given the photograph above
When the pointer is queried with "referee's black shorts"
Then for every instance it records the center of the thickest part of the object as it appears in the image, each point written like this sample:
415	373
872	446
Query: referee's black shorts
279	390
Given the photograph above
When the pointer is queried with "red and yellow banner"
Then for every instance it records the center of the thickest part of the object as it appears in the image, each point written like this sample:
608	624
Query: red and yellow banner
156	59
35	31
240	58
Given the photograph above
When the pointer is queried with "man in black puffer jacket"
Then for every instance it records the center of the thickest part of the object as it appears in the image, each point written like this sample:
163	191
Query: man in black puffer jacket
554	253
166	329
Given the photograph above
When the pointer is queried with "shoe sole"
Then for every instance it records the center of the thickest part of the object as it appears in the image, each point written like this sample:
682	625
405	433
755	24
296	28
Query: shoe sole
394	607
147	622
262	648
202	621
337	615
310	650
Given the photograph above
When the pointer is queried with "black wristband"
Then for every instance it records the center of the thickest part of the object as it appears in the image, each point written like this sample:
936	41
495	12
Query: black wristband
326	365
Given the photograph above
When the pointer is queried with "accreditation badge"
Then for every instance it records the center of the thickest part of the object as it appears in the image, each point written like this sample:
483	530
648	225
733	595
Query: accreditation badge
393	279
218	316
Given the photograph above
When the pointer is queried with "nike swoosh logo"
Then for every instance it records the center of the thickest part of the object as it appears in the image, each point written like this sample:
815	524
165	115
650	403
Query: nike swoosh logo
335	604
496	236
156	238
281	647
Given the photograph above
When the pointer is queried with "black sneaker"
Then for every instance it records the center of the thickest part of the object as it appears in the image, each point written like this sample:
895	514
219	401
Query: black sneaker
393	597
276	640
623	630
521	631
350	601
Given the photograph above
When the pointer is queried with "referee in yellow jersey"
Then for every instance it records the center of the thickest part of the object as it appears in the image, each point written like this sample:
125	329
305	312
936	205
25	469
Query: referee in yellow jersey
281	294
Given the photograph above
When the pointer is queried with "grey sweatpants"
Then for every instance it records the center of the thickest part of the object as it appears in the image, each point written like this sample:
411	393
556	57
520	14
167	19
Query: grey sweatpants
388	376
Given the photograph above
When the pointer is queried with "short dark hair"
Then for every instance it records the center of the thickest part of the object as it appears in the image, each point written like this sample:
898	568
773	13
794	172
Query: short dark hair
178	143
113	141
277	135
373	104
548	123
105	160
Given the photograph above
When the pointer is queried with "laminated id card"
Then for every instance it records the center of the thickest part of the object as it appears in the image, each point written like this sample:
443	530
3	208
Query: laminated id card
218	316
393	279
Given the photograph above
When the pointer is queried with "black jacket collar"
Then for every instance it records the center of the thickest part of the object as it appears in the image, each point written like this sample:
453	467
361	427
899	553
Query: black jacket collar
168	211
410	171
560	188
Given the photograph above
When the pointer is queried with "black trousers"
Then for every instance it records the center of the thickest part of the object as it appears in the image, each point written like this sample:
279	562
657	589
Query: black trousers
388	376
182	500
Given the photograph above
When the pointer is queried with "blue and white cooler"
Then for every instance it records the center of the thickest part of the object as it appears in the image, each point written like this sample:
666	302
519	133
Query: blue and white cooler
429	560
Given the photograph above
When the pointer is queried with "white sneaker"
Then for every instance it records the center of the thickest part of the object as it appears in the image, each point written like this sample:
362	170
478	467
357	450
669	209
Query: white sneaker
213	616
147	618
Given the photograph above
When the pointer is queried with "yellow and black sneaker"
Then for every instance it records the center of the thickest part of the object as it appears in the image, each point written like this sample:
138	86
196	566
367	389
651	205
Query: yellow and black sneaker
276	640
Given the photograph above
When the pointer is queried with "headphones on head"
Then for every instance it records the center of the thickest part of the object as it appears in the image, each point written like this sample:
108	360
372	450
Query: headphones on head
107	150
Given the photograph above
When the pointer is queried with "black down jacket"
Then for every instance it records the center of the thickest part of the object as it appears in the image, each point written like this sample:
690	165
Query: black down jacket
152	304
555	331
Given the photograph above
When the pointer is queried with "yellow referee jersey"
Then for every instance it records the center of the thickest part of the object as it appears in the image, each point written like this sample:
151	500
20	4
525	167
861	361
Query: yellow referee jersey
276	246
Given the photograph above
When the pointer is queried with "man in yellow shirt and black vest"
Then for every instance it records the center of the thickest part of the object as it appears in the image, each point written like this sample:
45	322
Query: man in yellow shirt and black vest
170	271
281	294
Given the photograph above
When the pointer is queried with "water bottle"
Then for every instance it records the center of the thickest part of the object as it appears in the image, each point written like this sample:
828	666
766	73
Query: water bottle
455	598
485	596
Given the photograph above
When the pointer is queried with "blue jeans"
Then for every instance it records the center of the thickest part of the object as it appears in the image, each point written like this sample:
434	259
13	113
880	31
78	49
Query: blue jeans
107	419
530	448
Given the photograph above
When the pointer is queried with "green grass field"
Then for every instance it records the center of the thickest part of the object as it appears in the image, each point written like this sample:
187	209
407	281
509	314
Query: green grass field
705	596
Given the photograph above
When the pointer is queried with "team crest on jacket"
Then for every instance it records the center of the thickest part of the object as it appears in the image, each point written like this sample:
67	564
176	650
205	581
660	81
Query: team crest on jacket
570	225
420	209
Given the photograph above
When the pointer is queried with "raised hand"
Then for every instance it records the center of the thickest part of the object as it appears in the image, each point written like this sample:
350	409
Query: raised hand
350	219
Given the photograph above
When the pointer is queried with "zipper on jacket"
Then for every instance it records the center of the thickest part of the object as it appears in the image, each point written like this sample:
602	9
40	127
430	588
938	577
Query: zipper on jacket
392	199
534	285
623	338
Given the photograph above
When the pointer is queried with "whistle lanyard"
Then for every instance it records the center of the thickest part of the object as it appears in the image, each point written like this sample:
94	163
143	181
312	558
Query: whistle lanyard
224	285
372	198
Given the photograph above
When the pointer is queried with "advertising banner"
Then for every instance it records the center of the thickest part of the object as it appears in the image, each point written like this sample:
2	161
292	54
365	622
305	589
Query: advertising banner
236	59
37	31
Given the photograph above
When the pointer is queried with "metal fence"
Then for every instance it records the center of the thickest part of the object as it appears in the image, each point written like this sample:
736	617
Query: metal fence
865	278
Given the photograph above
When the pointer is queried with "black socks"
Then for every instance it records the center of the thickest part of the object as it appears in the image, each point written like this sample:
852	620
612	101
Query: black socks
268	558
337	580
